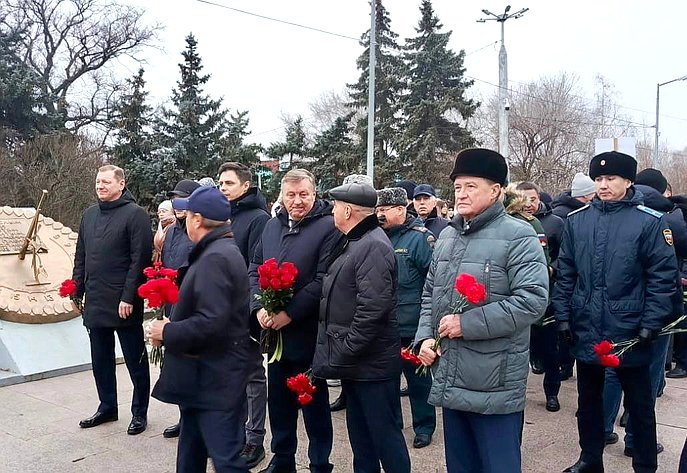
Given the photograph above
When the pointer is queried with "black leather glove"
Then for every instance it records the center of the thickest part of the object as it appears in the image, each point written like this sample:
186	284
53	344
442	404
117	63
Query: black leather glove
646	336
564	333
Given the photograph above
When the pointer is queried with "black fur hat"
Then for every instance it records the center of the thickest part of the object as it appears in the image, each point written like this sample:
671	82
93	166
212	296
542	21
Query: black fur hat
613	163
480	162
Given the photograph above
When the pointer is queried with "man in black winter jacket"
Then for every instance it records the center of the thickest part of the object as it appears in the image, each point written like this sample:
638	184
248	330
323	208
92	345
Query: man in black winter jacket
175	250
304	234
358	339
206	341
114	245
248	218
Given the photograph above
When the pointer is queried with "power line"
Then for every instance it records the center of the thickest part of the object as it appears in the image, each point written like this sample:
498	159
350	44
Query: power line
264	17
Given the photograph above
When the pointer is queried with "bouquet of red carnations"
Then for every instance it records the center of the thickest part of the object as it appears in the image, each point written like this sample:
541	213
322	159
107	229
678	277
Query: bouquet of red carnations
158	291
302	385
68	289
276	286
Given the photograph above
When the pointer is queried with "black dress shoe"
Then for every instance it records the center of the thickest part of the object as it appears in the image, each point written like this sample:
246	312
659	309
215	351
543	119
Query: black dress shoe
172	431
566	373
97	419
273	468
552	404
252	454
404	391
629	451
339	404
583	467
422	440
137	425
677	373
610	439
623	419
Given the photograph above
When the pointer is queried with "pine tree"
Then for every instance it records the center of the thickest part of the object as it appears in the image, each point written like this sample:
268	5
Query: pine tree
336	155
195	136
23	112
388	86
133	146
293	147
435	108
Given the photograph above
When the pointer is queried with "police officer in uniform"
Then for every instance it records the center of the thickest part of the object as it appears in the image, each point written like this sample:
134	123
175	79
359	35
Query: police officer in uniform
616	276
413	244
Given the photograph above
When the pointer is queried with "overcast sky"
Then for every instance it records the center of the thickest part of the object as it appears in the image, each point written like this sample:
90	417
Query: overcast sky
268	68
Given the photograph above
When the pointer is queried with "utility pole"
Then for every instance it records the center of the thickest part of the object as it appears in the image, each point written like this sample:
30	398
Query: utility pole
504	102
654	161
371	92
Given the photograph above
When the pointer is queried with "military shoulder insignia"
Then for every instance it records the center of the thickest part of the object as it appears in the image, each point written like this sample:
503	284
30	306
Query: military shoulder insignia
652	212
668	236
578	210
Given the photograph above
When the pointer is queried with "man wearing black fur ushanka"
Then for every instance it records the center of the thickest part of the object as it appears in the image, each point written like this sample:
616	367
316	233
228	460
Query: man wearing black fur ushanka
616	276
480	378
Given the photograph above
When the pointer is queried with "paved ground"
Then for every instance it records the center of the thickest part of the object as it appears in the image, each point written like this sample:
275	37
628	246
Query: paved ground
39	432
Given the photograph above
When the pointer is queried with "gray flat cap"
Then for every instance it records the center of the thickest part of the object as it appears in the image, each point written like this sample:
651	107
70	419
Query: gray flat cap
391	196
354	193
358	178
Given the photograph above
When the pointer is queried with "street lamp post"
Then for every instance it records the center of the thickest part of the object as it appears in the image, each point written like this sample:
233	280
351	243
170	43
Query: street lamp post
504	105
654	164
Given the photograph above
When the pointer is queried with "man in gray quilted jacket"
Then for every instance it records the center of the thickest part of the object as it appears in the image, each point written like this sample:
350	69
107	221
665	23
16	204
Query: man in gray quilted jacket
480	368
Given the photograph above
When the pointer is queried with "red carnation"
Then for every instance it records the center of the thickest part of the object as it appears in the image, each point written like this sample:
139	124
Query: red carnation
169	273
464	282
275	284
603	348
68	288
475	293
304	399
609	361
264	282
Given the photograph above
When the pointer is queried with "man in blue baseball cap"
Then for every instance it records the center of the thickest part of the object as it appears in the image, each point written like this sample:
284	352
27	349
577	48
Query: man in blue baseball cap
206	340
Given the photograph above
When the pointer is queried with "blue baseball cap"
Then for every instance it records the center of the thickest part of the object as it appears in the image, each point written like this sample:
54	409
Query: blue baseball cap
424	189
207	201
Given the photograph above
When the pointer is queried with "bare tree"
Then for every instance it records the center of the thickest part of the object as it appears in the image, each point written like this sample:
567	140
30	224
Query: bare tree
552	128
70	45
62	163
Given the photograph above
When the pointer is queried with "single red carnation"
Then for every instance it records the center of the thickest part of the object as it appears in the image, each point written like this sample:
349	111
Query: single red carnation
289	268
169	292
169	273
475	293
464	281
264	282
610	361
304	399
603	348
154	300
68	288
157	265
275	284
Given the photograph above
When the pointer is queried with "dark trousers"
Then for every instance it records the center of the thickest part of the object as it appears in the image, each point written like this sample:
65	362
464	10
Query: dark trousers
283	417
103	361
373	409
424	415
256	390
639	402
544	347
469	440
214	434
683	460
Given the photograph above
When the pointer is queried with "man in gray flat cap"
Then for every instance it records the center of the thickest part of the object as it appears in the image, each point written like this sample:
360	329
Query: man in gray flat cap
358	339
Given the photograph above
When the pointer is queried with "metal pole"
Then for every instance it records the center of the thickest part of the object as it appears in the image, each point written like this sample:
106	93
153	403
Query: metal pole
371	92
503	97
654	162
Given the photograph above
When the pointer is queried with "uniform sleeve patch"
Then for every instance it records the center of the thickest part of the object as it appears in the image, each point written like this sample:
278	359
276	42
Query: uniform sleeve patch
668	236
